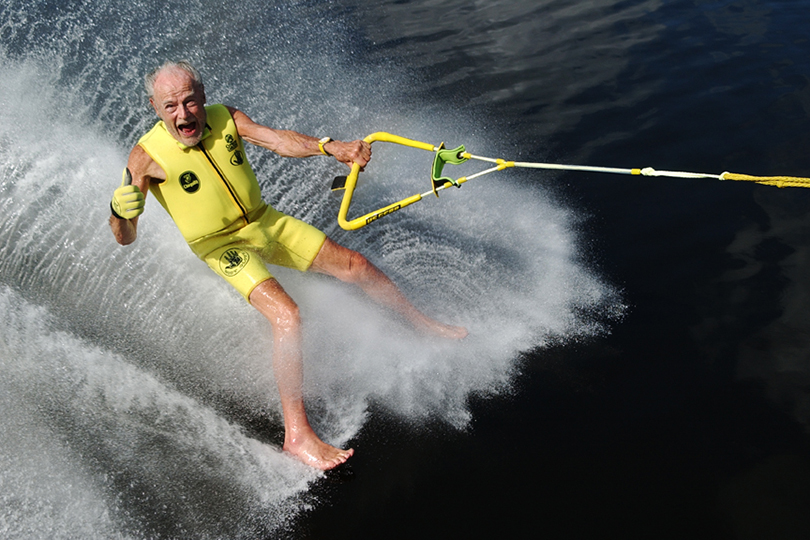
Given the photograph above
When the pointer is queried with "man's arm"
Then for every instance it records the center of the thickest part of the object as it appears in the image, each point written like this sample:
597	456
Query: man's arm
143	170
288	143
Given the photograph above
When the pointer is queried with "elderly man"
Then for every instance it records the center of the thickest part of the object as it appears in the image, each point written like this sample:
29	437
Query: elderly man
194	162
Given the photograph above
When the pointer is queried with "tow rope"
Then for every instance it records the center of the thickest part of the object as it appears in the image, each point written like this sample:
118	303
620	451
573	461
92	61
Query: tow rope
456	156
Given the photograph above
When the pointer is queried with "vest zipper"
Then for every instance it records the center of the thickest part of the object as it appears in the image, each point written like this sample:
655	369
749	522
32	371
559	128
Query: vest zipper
224	181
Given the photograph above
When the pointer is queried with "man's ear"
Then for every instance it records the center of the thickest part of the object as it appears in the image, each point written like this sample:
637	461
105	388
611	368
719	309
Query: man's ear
152	103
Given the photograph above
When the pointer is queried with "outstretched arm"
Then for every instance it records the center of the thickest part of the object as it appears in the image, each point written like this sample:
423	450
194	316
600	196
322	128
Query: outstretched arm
143	170
288	143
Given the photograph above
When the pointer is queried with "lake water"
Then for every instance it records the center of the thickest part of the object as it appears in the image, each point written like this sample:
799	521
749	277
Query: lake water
637	364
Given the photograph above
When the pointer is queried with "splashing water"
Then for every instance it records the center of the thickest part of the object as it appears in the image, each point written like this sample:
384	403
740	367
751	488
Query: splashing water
127	370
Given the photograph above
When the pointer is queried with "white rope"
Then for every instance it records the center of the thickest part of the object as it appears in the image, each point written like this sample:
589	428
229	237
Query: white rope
555	166
649	171
573	168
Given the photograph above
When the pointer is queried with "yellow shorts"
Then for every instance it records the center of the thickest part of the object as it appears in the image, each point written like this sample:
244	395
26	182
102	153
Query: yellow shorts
240	255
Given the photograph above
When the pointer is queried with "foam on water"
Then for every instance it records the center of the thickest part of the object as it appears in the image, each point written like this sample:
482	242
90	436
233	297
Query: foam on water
127	370
92	444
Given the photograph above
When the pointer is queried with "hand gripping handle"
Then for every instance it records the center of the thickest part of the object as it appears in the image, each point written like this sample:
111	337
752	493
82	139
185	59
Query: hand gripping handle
350	182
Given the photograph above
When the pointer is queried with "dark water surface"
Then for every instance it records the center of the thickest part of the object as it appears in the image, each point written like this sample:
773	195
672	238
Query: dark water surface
691	419
638	362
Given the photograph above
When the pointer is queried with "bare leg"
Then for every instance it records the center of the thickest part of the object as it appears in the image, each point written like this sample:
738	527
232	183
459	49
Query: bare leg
288	367
351	267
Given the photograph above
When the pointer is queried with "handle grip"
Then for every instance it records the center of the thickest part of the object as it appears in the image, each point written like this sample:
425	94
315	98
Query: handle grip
351	182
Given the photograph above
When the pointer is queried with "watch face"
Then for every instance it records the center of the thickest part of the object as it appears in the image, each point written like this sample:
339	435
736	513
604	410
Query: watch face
325	140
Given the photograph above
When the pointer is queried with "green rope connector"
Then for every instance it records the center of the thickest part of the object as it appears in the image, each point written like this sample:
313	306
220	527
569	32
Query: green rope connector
443	155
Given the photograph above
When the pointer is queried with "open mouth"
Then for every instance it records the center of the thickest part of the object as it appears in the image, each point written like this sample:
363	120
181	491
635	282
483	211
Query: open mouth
187	130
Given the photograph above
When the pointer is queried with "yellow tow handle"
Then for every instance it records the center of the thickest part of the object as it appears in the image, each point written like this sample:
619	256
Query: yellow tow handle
351	183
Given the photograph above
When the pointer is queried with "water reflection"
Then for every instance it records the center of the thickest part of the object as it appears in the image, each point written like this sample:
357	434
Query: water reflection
550	63
779	352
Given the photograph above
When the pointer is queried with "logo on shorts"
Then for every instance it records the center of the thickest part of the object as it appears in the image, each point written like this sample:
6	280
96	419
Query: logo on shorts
237	159
189	182
232	261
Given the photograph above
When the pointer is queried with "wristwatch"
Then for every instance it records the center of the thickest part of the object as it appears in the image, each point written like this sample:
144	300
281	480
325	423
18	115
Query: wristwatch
323	142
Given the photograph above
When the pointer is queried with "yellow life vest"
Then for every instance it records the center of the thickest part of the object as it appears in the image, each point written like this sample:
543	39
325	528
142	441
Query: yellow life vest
208	187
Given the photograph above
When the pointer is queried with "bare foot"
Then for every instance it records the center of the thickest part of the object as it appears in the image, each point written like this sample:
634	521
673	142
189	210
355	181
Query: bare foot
442	330
314	452
450	332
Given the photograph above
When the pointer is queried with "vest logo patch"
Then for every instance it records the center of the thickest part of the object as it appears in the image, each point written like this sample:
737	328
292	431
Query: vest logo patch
230	143
233	260
237	159
189	182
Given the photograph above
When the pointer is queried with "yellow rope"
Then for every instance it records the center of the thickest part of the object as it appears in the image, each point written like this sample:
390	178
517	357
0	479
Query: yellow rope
778	181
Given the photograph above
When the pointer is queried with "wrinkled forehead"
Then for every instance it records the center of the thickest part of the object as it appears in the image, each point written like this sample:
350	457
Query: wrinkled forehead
174	84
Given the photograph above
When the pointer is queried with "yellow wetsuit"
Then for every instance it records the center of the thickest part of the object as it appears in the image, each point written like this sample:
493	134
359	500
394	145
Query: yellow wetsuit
213	197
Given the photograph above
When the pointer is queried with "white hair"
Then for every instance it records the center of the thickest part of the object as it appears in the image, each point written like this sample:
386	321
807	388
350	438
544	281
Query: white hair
149	80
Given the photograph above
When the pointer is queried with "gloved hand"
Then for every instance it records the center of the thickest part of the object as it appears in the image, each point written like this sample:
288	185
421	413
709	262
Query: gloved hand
127	201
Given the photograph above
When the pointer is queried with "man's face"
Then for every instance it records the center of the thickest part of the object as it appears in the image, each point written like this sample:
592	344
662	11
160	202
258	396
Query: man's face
179	102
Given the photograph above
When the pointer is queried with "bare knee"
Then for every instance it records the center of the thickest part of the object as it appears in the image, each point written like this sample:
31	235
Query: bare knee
277	306
285	316
357	268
